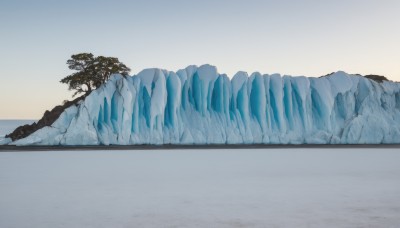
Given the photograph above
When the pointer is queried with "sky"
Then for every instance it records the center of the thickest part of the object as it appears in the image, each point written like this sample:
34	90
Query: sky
290	37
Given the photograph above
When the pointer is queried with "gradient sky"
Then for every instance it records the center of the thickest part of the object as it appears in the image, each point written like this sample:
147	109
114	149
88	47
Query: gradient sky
310	38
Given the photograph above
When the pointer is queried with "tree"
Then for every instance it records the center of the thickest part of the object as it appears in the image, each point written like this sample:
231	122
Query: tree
92	72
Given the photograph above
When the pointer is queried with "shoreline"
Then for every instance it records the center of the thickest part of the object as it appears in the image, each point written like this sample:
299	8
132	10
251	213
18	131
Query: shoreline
12	148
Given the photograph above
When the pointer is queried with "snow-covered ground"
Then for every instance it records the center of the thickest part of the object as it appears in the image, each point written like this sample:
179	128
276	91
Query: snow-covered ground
201	188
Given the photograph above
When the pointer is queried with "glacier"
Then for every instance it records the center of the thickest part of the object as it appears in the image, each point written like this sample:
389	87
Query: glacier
197	105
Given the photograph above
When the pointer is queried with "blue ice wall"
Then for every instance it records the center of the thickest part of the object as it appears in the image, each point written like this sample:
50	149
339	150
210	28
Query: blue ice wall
197	105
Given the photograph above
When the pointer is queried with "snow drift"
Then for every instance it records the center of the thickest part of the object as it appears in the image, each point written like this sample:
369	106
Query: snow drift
197	105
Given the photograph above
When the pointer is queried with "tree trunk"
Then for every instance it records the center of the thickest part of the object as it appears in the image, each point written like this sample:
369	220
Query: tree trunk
89	89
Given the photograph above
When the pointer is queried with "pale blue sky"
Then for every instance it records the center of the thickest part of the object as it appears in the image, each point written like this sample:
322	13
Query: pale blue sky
310	38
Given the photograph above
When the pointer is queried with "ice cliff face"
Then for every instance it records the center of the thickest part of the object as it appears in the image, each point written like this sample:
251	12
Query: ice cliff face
197	105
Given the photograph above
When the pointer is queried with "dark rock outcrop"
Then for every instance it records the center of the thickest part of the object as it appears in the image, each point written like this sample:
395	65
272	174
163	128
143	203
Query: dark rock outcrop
49	117
377	78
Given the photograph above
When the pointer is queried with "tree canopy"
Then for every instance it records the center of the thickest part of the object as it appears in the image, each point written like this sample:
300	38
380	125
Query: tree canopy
91	72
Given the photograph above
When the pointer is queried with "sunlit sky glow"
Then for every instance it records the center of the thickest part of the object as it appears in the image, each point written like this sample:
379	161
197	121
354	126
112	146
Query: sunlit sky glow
310	38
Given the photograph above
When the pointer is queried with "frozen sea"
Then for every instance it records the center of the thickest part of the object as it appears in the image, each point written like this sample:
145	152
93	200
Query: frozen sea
201	188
